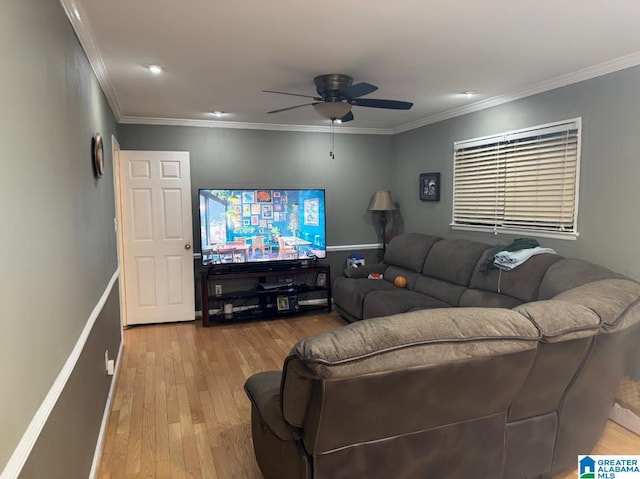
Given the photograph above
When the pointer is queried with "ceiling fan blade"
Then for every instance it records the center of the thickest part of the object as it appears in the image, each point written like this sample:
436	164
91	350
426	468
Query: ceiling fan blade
376	103
347	117
292	107
357	90
292	94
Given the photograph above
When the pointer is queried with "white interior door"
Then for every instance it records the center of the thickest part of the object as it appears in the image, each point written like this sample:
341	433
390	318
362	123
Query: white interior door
155	192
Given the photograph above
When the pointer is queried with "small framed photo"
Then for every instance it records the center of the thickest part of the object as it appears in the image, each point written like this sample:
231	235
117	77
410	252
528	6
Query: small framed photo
321	280
282	303
430	186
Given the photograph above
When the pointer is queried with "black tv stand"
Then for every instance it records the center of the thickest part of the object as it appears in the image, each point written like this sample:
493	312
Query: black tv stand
233	268
306	287
285	266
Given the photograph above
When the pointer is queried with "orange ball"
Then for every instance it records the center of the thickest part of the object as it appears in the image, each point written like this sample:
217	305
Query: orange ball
400	281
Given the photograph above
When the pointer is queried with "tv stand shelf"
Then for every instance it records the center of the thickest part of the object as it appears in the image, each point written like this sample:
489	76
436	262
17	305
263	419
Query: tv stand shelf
309	289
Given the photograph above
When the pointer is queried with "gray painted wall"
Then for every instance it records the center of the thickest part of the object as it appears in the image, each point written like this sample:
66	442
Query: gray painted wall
610	167
58	247
65	447
227	158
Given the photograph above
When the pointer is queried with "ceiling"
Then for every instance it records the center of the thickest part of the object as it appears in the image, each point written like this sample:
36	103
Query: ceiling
220	55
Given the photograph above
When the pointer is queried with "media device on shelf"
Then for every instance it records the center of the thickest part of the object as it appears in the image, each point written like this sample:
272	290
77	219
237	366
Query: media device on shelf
261	229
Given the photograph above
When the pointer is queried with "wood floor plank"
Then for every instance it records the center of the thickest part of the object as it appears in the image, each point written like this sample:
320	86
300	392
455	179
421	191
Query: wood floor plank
205	453
180	411
161	417
178	469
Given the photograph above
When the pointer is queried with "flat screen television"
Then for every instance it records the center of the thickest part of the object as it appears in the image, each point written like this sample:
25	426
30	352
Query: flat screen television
261	227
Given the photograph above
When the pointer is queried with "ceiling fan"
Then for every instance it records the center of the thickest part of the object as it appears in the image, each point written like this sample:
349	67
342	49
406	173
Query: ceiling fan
337	94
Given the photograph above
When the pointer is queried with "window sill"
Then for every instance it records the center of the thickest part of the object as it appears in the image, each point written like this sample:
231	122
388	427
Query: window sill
520	232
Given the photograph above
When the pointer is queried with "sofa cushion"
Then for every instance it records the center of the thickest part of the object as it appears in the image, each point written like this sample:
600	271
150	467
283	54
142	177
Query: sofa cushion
476	298
349	293
454	260
385	303
417	338
613	300
443	290
263	390
560	320
364	271
569	273
522	282
392	272
409	250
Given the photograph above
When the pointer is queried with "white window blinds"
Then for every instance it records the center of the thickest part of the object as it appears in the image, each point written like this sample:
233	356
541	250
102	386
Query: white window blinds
520	181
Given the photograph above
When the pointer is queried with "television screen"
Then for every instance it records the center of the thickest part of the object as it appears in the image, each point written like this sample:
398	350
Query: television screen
255	226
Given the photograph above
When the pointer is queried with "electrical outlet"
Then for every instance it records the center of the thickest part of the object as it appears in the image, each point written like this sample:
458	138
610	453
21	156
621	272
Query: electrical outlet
110	367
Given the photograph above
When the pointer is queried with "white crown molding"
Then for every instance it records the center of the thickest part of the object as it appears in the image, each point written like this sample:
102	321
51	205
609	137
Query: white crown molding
605	68
81	26
338	129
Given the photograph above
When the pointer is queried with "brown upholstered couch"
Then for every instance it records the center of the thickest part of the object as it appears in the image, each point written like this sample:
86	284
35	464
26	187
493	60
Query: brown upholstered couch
461	374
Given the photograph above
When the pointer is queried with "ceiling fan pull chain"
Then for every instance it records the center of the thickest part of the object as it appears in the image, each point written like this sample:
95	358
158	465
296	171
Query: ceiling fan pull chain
331	141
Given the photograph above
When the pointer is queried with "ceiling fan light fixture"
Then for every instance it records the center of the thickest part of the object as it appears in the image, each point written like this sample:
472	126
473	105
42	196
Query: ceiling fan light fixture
333	109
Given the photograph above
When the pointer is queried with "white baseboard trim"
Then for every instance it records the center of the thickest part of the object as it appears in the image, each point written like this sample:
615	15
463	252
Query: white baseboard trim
351	247
97	455
625	418
25	446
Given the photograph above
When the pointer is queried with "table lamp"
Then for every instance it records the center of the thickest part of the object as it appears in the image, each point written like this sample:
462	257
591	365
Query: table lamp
382	202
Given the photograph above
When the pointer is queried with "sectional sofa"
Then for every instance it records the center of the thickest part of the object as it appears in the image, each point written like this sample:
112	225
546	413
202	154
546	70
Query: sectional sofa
462	373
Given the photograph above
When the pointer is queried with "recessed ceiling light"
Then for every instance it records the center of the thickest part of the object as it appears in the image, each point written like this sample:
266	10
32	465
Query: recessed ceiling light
469	93
217	113
76	12
155	69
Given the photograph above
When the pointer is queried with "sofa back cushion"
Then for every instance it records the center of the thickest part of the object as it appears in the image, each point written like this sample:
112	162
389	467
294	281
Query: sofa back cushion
454	260
570	273
410	371
409	250
476	298
615	301
445	291
392	272
521	283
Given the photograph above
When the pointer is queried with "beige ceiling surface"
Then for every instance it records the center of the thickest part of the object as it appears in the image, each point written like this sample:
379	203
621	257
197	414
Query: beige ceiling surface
219	55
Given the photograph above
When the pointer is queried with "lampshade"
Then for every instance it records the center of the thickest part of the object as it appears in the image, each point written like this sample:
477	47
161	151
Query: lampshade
382	201
333	109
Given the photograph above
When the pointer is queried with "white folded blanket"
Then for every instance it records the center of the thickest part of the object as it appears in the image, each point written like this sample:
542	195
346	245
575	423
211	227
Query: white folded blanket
507	260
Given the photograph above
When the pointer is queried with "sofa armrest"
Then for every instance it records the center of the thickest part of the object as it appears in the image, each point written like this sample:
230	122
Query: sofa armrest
263	390
364	270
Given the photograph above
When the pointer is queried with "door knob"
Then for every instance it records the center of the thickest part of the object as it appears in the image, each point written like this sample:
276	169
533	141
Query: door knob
187	246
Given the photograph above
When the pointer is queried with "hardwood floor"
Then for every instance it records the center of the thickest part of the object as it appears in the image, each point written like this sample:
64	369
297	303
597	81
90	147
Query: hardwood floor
180	410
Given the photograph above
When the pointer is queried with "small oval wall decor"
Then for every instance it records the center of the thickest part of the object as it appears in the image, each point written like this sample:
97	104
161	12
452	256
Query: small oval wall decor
98	156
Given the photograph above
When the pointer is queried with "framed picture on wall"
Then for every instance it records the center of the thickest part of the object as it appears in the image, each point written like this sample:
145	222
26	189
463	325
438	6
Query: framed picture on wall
430	186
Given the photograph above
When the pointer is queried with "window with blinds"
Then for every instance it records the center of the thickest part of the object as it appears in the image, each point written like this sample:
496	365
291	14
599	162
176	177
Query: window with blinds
521	181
